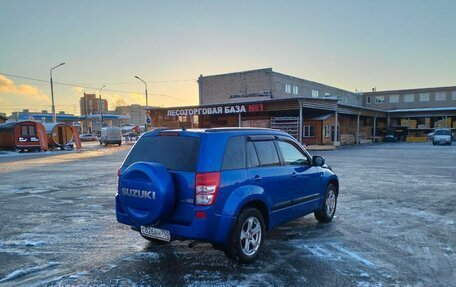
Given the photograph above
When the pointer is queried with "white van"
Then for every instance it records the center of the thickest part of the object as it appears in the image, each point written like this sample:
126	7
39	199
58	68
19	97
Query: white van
111	135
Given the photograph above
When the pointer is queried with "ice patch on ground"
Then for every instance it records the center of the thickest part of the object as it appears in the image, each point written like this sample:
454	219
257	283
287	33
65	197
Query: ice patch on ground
23	272
28	243
368	284
125	282
77	275
318	251
95	206
352	254
151	256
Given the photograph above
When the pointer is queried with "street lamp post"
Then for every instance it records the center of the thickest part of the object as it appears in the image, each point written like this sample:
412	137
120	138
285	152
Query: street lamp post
54	117
147	103
101	107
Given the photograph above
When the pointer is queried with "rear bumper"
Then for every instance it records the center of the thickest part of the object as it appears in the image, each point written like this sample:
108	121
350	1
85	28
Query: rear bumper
215	228
442	141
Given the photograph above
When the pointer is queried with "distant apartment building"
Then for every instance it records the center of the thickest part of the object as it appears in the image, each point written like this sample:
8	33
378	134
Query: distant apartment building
137	113
89	104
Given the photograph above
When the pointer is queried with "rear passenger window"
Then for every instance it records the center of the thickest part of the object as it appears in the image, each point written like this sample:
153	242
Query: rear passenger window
252	158
234	157
267	153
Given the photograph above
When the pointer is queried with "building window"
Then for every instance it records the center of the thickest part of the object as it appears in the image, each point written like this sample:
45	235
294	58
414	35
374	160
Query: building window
309	131
315	93
408	98
379	99
368	100
424	97
288	88
326	131
394	99
440	96
295	90
453	96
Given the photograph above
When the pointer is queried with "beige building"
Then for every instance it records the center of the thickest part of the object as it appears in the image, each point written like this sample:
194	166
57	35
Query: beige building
89	104
265	84
312	112
137	113
419	111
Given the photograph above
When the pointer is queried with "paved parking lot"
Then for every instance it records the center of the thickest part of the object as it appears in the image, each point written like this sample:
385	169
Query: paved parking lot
395	225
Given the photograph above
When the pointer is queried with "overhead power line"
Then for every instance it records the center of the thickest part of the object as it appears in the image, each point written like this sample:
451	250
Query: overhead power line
87	87
135	83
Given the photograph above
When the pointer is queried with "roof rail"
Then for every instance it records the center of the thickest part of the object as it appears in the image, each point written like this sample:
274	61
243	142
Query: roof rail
213	130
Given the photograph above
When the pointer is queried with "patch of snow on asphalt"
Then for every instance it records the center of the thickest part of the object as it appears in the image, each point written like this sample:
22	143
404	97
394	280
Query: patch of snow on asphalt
28	243
23	272
352	254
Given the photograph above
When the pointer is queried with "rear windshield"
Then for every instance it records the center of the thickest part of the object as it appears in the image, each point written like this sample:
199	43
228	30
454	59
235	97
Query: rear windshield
442	132
174	152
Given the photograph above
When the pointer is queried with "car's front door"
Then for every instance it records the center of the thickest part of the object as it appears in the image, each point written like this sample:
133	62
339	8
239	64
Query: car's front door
305	179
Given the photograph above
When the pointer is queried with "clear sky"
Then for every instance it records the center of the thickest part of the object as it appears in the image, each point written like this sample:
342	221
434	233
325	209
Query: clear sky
348	44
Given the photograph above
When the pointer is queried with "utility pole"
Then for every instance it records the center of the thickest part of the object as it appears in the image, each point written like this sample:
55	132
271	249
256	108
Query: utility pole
101	108
54	117
147	103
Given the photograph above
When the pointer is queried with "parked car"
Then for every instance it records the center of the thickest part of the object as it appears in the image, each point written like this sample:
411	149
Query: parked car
111	135
430	136
225	186
132	136
88	137
442	136
390	138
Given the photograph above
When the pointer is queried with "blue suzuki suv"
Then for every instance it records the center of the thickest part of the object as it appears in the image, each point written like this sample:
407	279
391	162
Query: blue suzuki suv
226	186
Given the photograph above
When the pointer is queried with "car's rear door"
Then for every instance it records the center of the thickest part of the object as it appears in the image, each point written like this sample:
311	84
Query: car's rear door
179	154
266	173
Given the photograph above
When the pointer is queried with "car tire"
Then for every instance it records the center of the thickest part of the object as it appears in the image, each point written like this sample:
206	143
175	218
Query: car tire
433	143
120	144
328	209
247	237
101	143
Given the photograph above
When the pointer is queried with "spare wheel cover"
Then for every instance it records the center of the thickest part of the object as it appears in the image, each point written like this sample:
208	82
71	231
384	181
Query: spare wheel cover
147	193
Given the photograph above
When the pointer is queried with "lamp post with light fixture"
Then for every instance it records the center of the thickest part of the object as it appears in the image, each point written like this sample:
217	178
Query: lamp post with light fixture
101	107
147	103
54	117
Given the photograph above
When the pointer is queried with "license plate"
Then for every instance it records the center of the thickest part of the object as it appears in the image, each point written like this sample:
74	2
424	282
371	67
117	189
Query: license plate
156	233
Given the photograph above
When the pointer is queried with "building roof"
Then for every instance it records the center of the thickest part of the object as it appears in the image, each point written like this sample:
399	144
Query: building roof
239	72
39	116
423	110
241	103
269	70
106	116
411	91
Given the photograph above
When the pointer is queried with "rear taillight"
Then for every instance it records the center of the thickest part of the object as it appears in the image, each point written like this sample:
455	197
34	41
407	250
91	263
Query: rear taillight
206	188
118	171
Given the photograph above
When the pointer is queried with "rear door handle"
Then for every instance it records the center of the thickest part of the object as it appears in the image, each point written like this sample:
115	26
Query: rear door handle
257	178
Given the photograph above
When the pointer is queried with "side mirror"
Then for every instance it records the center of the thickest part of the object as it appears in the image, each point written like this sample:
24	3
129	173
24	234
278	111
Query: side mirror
318	160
